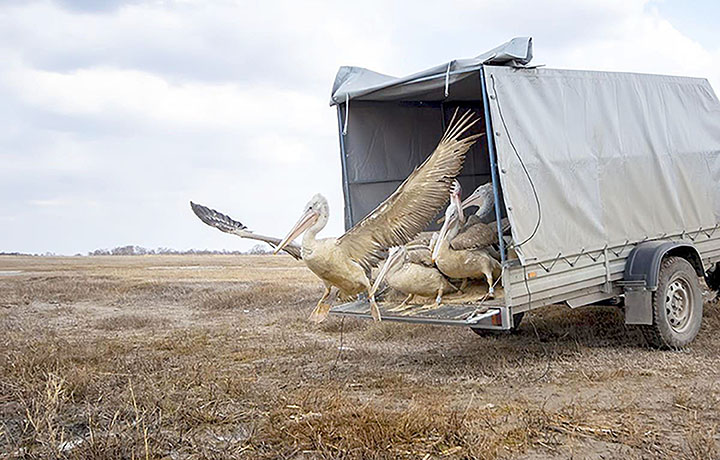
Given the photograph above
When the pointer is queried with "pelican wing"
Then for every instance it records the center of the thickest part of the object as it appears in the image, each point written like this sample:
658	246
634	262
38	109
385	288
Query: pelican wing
475	236
422	239
410	209
420	255
227	224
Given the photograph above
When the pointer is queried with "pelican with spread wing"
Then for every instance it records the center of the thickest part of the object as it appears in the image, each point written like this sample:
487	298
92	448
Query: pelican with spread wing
345	262
229	225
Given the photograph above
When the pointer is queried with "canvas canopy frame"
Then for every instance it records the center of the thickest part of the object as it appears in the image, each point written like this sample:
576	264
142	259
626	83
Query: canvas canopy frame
372	172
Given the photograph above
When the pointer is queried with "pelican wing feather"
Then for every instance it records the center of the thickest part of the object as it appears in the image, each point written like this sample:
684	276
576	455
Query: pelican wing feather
420	255
414	204
475	236
227	224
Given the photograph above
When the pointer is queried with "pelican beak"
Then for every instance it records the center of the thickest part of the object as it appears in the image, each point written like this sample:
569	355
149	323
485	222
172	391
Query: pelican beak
472	200
480	197
455	198
433	242
442	235
305	221
390	263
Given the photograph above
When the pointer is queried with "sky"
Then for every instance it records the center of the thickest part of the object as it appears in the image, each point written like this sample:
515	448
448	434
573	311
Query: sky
116	113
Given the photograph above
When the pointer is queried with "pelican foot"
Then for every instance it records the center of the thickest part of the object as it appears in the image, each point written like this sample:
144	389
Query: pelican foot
320	313
401	308
403	305
425	308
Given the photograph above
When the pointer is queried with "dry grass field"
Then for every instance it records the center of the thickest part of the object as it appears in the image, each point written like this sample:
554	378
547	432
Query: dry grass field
184	357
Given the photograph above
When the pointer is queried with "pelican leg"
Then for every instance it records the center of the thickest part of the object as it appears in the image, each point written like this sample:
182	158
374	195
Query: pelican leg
322	309
489	277
374	309
438	299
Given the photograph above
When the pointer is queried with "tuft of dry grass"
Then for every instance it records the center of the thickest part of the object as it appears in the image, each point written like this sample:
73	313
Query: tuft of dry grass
254	295
55	289
131	321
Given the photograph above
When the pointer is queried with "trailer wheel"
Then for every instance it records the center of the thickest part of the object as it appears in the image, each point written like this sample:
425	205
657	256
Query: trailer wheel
677	305
517	318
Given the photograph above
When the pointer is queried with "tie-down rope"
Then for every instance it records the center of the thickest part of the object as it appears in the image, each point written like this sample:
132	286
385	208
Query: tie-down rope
347	113
692	236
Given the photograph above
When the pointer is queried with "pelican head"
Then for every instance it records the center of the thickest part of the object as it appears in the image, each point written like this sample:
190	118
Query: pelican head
482	197
396	257
452	218
315	216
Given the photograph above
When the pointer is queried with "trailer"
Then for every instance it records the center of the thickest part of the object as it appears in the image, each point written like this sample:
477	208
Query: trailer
610	181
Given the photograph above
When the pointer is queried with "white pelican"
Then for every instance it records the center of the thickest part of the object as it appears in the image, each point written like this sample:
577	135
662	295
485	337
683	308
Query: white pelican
468	256
410	270
345	262
484	199
227	224
472	231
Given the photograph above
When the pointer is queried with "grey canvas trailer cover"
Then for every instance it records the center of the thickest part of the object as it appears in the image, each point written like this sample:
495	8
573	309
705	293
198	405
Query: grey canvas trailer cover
610	181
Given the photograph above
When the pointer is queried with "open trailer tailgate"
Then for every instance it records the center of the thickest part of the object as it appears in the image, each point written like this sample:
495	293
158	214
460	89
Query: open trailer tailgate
452	314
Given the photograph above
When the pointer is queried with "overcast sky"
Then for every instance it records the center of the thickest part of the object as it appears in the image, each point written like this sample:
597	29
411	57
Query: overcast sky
115	114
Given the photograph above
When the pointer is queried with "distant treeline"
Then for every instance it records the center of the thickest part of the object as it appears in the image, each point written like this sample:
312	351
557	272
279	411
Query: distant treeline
131	250
141	251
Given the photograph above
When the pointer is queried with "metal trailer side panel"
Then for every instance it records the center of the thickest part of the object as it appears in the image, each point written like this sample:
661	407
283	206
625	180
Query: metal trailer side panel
579	280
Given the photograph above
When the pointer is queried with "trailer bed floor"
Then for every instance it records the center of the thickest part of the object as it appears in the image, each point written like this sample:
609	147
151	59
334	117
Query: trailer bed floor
449	314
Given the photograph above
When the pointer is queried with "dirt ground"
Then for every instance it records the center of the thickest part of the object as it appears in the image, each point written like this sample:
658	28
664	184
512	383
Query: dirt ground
212	357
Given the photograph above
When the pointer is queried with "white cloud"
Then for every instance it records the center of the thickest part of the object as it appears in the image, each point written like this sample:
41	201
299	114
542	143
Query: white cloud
148	98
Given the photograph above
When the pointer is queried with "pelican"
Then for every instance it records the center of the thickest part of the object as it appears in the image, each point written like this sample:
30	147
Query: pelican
410	270
472	231
484	199
468	256
345	262
227	224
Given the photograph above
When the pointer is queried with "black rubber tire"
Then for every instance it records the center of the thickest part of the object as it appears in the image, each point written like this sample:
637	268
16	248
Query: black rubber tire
517	318
662	334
